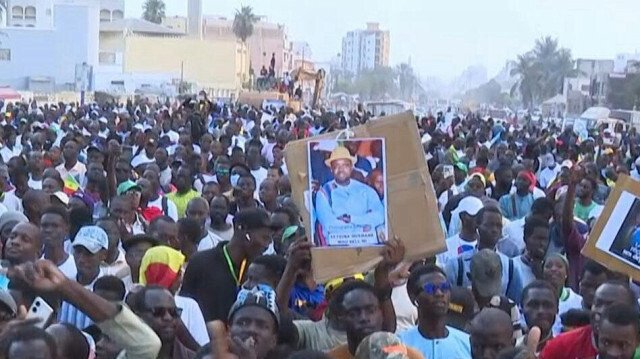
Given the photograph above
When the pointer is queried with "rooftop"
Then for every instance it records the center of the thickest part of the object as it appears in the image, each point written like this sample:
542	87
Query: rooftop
137	25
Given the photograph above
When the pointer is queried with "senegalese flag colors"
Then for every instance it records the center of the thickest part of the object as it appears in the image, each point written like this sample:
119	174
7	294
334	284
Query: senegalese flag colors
71	185
161	266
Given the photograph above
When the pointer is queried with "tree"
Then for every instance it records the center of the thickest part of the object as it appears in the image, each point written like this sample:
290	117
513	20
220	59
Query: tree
153	11
541	71
243	23
624	93
407	81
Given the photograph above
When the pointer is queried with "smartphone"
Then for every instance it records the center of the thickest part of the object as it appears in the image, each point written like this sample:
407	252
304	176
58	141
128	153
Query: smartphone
447	171
42	310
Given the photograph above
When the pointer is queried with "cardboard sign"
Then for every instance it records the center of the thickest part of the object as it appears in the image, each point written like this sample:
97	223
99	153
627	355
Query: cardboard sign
615	238
412	206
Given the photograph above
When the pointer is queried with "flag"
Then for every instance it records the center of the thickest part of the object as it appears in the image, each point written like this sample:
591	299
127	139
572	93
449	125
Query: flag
71	185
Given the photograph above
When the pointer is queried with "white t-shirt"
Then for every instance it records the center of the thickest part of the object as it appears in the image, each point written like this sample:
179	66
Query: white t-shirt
141	159
173	136
455	247
165	176
514	233
406	312
209	241
455	345
193	319
444	196
198	185
260	175
68	268
572	301
34	184
12	202
171	207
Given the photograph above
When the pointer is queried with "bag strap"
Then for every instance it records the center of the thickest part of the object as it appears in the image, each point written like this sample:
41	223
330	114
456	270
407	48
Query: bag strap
513	206
510	274
460	271
165	206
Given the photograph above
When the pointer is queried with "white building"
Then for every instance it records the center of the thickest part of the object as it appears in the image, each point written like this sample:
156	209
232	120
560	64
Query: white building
622	61
365	49
40	13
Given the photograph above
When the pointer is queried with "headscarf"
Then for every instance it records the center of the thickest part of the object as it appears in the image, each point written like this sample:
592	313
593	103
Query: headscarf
531	177
161	265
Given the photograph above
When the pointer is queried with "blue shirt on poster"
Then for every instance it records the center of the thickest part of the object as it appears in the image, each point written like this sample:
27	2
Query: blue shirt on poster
454	346
357	200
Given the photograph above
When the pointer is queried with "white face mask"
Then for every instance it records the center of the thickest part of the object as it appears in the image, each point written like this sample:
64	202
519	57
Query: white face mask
234	180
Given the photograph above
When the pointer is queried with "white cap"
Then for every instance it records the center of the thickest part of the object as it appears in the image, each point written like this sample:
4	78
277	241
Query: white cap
93	238
567	163
62	197
470	205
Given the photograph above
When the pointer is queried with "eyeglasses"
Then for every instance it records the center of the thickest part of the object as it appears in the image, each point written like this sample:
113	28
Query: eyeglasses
431	288
160	312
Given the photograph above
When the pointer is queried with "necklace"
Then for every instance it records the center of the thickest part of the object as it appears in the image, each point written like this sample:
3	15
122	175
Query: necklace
227	257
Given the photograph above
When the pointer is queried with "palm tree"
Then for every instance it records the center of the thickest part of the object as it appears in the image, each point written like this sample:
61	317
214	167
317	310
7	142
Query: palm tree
526	70
153	11
243	23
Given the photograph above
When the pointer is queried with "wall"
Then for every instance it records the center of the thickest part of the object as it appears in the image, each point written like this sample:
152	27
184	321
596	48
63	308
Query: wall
43	13
211	64
52	52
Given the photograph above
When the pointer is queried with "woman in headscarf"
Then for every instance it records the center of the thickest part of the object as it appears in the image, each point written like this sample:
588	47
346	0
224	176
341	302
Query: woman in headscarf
556	271
162	266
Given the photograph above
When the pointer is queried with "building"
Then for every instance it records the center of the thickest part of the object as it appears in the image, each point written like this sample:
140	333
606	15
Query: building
178	23
623	63
46	42
268	40
365	49
194	19
137	55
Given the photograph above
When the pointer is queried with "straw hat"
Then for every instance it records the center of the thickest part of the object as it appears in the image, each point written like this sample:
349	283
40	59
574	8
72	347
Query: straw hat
340	153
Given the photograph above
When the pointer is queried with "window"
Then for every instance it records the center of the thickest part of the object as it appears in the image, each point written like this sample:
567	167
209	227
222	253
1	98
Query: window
105	15
117	15
5	54
30	13
17	13
107	58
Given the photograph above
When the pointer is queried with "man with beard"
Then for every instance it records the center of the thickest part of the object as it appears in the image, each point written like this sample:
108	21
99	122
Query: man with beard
540	307
517	205
213	276
219	230
585	207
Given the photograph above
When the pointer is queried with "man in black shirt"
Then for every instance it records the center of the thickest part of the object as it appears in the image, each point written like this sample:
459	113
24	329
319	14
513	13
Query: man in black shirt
213	276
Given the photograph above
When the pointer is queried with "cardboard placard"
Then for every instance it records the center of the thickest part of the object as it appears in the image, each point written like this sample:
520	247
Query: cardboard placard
413	209
615	239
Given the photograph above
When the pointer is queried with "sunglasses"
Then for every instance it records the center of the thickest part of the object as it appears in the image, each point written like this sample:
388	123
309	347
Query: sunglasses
160	312
431	288
222	172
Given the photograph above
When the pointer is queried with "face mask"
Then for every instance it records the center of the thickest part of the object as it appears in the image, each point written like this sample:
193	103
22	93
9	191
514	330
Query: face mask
234	180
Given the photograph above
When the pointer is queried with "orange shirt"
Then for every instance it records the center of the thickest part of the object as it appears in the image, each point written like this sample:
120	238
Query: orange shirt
342	352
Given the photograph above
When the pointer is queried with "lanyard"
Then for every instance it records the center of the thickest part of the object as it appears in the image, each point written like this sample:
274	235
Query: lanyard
227	257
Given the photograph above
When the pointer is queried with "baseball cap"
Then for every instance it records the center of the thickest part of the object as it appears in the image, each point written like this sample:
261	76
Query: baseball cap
8	301
566	163
486	273
126	186
469	205
461	307
96	145
261	296
254	218
93	238
62	197
86	199
382	345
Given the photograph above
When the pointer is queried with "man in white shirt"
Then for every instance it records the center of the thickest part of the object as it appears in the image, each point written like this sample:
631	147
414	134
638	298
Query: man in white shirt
514	231
549	172
145	156
71	165
155	199
254	160
9	148
54	226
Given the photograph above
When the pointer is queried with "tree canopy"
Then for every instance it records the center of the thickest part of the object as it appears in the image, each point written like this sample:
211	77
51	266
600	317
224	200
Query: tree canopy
153	11
243	23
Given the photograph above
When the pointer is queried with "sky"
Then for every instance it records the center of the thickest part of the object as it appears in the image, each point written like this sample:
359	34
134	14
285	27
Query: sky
442	38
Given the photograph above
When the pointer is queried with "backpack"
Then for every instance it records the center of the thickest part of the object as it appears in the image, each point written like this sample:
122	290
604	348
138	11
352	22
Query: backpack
165	206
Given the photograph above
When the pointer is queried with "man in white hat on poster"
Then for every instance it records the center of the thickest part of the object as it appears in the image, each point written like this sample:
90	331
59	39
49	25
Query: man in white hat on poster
349	211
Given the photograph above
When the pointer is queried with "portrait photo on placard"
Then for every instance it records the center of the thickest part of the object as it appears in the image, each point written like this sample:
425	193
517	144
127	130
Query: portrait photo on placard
348	186
621	234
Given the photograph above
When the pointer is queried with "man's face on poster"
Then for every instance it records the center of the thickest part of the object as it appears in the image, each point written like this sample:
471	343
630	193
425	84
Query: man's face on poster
341	170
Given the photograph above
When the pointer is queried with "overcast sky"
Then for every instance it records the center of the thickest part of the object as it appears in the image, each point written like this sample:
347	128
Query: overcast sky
444	37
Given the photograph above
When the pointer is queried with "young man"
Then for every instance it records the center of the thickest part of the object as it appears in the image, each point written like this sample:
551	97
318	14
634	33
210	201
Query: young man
34	202
467	237
618	334
540	307
489	223
362	316
489	333
185	191
198	210
581	342
155	198
244	194
517	205
219	229
23	244
114	263
36	168
586	208
431	292
135	249
54	227
268	195
213	276
89	250
71	165
529	264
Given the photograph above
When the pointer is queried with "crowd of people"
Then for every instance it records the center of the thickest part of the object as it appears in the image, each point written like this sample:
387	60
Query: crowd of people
168	230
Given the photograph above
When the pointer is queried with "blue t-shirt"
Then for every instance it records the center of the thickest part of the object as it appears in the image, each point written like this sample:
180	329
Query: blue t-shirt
454	346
